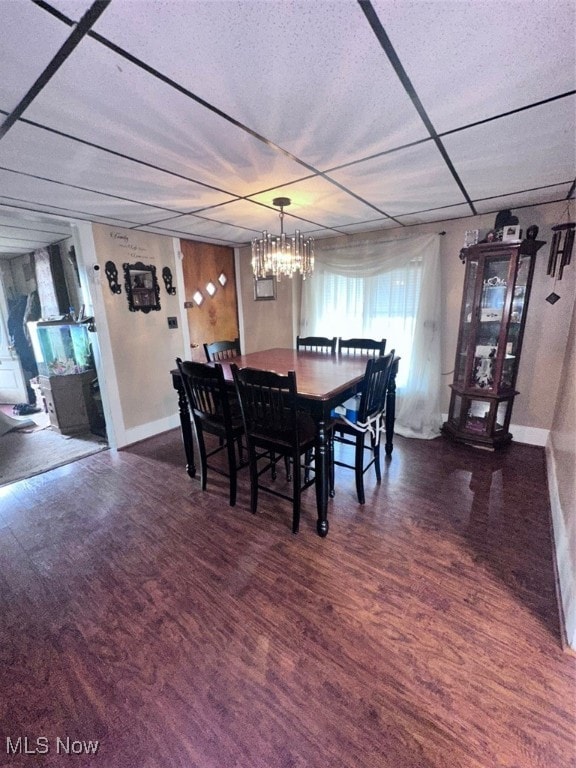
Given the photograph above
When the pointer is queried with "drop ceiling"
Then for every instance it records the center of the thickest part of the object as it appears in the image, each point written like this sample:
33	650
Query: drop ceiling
187	117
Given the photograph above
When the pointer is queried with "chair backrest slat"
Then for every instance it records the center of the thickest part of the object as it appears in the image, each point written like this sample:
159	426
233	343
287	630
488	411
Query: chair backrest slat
205	389
375	386
222	350
268	403
317	344
362	347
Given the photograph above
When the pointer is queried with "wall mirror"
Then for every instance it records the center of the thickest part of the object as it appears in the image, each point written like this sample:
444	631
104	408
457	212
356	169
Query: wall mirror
142	289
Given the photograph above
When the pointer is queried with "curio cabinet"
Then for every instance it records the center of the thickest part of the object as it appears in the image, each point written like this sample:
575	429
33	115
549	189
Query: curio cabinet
493	315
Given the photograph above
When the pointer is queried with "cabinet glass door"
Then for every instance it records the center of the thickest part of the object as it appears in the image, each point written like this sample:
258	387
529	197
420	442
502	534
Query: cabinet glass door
466	322
513	338
489	325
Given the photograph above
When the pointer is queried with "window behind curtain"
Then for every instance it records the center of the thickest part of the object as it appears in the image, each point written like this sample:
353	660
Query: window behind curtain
380	306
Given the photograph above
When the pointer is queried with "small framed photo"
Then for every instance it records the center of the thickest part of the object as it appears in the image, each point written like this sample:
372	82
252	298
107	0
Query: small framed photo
264	288
470	237
511	232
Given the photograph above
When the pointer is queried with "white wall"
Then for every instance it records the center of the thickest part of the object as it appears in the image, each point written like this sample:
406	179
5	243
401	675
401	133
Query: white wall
561	462
136	350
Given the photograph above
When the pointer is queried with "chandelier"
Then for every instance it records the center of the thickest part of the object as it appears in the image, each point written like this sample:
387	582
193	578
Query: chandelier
280	255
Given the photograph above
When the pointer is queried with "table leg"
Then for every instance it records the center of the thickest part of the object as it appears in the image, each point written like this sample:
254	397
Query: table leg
322	474
390	415
186	429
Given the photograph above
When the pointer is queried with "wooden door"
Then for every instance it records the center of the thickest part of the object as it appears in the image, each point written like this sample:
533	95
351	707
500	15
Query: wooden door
216	318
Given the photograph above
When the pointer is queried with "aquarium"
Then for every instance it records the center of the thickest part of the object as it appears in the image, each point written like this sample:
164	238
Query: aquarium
61	348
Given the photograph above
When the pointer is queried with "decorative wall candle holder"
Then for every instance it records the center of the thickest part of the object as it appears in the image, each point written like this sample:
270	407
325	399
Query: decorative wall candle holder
112	276
167	277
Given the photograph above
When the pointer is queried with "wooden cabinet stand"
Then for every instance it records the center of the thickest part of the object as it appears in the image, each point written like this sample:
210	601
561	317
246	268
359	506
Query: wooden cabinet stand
69	402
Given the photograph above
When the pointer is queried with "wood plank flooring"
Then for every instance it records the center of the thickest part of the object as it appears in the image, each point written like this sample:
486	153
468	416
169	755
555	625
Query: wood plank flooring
176	631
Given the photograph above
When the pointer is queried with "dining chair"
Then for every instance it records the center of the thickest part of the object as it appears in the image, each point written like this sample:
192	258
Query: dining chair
274	427
363	416
213	412
362	347
316	344
222	350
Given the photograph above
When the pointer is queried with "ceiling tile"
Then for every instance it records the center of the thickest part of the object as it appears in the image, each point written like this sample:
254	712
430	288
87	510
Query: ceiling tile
30	38
111	102
506	155
25	190
327	203
280	68
411	179
17	222
53	157
437	214
194	228
473	60
368	225
524	199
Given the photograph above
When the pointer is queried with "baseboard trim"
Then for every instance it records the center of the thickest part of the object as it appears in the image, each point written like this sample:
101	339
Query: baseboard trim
152	428
529	435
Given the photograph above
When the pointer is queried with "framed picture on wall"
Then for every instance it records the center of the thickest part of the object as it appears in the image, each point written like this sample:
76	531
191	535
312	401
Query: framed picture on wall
264	288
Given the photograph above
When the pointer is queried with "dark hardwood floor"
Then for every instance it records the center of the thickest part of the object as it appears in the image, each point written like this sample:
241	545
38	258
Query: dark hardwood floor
177	631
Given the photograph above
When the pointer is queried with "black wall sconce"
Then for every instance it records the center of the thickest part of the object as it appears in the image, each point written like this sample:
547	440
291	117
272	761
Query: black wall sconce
167	277
112	277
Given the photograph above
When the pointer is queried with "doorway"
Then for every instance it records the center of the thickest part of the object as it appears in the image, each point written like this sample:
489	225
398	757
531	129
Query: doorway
50	409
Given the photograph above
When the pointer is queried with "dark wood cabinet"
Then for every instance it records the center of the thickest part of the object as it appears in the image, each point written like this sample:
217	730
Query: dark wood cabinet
497	287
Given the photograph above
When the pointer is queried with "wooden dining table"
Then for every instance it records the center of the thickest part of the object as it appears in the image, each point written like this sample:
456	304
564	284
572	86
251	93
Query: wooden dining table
323	381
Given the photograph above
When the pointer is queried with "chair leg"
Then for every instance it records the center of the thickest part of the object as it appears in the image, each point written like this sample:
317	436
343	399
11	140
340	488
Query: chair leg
288	468
231	449
307	463
331	486
253	480
296	495
203	459
376	450
359	466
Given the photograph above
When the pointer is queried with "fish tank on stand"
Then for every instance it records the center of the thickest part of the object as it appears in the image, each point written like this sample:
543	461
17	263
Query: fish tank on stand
67	375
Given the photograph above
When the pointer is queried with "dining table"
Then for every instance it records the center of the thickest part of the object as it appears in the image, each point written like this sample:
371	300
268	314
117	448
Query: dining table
323	382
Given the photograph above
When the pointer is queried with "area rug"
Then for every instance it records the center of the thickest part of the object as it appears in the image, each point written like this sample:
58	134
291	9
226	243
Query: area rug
26	453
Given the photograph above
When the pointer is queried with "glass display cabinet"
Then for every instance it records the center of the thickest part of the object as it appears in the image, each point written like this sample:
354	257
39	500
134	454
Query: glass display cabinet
494	305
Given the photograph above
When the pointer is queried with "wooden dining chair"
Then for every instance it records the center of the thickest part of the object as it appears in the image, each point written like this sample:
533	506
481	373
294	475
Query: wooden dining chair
364	417
316	344
362	347
213	412
222	350
274	427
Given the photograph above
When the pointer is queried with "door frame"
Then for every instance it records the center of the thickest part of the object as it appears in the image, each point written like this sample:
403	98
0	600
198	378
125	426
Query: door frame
8	357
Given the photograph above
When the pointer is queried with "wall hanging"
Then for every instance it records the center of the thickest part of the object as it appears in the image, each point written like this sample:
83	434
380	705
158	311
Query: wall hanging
112	276
560	252
141	285
167	277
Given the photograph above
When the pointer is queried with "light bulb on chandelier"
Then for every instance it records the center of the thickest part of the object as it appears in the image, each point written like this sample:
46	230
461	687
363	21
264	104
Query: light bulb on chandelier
282	255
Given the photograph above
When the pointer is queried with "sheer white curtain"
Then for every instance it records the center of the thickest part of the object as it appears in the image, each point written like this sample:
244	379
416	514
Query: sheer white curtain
385	289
